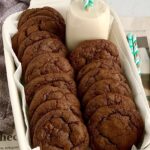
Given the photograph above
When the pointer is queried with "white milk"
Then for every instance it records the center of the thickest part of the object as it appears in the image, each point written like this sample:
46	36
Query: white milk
86	24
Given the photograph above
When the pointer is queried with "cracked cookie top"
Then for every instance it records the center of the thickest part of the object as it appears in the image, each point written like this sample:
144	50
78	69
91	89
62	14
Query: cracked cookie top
92	50
51	105
60	130
45	11
60	80
106	86
48	93
31	39
41	23
49	45
96	75
101	63
48	63
110	99
115	128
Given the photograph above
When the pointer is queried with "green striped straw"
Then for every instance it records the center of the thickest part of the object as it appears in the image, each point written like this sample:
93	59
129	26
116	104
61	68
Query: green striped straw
132	40
88	4
136	54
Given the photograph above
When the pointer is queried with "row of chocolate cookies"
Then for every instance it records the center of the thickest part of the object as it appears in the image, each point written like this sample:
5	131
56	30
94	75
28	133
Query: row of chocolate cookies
54	110
113	120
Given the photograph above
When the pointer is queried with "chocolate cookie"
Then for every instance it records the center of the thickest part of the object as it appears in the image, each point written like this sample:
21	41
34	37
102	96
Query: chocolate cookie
31	39
60	129
60	80
47	93
96	75
107	100
45	11
47	63
105	86
102	63
43	46
24	32
41	23
114	128
50	106
91	50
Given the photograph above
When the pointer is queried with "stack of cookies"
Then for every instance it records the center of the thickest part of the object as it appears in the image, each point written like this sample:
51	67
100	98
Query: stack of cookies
54	111
113	120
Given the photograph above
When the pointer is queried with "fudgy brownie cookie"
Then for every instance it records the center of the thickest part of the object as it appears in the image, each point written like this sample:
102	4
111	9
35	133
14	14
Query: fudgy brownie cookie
95	75
102	63
105	86
115	128
48	63
43	46
60	129
50	106
91	50
60	80
31	39
45	11
107	100
47	93
41	23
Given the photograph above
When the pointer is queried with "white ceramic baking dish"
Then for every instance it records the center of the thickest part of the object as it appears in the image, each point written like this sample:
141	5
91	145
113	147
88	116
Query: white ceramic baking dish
14	70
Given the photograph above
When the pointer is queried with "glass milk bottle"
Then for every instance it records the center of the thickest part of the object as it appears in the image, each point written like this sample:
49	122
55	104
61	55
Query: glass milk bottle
85	24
